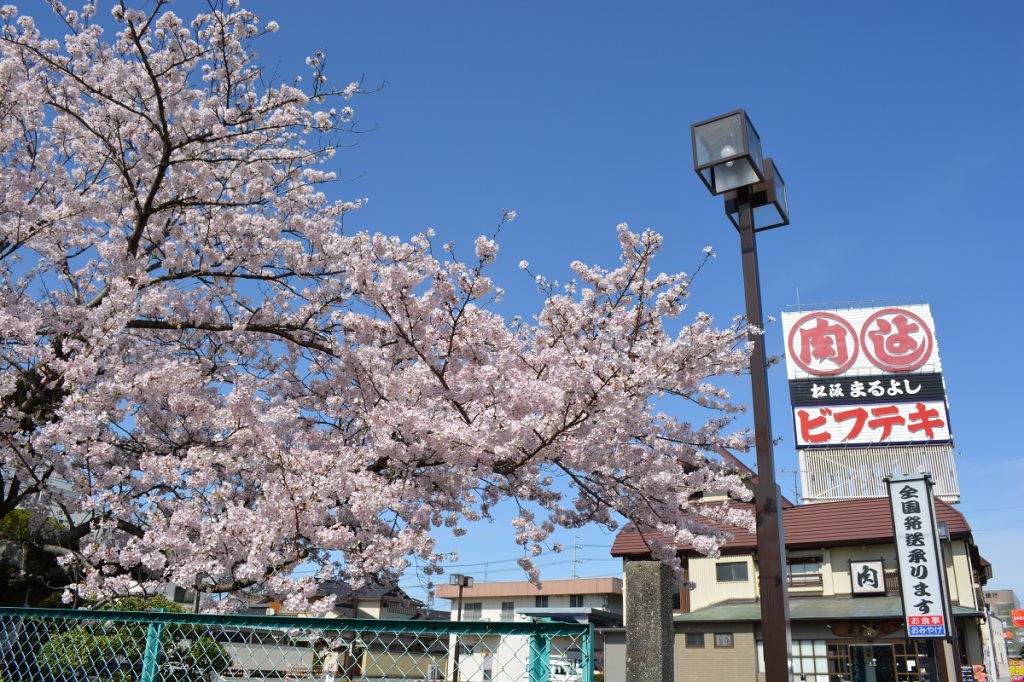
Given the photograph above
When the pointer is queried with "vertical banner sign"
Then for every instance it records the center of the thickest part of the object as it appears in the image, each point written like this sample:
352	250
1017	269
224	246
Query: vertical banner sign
921	568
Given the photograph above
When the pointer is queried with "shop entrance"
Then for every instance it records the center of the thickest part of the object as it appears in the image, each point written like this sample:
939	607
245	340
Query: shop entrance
895	661
872	663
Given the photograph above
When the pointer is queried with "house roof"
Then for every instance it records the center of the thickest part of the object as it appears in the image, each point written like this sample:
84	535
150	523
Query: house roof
382	593
526	589
810	609
823	524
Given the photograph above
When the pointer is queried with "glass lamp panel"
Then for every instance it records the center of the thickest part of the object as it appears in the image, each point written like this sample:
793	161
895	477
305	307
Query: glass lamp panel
780	192
719	138
754	146
771	207
727	152
768	216
733	174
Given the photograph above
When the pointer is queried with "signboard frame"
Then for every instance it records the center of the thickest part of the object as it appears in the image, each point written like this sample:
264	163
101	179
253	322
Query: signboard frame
873	584
922	569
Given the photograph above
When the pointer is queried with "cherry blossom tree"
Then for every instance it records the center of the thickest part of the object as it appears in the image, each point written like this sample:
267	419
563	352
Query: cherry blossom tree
211	382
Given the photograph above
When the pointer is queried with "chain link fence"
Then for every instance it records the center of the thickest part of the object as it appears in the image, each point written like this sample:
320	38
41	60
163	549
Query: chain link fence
62	645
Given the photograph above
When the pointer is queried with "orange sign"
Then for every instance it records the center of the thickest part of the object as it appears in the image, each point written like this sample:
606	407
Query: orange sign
1016	670
1018	618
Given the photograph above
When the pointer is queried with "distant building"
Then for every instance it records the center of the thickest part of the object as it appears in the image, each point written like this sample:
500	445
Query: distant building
1001	605
371	602
273	654
584	600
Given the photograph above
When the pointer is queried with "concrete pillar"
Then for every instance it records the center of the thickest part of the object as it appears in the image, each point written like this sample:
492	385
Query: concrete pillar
650	636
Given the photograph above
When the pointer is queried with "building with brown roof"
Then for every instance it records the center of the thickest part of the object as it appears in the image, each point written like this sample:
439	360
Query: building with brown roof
839	633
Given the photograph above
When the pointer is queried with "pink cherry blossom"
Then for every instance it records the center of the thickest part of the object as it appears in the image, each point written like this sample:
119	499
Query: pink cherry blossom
211	383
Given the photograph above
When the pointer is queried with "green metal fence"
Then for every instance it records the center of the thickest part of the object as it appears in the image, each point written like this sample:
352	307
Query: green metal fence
63	645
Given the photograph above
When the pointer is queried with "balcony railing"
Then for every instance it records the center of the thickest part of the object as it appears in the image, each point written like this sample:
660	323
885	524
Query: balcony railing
804	580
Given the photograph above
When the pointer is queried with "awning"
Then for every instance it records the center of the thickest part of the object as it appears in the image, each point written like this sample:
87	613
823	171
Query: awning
574	615
811	609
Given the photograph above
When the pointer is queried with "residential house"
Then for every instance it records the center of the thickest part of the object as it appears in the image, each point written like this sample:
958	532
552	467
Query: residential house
584	600
837	635
350	651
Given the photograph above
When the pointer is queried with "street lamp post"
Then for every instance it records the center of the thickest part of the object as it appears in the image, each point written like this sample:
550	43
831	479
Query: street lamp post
460	581
727	157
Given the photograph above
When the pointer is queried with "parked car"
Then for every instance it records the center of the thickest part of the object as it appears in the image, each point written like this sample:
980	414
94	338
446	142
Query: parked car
560	670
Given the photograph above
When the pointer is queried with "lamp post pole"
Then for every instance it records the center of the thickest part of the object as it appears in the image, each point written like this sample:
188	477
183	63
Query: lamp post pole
727	157
775	630
462	581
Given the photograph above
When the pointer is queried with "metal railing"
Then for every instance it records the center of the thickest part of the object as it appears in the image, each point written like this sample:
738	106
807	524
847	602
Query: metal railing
64	645
804	580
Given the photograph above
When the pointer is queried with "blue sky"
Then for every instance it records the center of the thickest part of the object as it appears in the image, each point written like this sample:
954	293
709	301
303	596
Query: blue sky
895	125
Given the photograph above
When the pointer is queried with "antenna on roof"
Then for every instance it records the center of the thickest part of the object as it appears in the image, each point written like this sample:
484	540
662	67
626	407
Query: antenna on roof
796	482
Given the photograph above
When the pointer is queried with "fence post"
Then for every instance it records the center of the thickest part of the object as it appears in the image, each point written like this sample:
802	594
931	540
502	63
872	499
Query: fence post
650	633
540	658
588	654
151	657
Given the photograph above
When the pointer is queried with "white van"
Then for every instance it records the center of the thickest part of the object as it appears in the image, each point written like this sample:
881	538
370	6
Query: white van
560	670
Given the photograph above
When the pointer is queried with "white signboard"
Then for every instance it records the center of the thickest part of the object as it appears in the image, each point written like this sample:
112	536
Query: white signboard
878	423
860	341
867	577
921	568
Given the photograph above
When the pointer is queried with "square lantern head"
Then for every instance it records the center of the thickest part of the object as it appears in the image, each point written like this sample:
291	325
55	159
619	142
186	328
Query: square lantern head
727	152
768	201
459	580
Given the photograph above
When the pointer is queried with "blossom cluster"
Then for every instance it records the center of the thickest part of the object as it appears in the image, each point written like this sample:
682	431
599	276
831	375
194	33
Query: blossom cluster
214	383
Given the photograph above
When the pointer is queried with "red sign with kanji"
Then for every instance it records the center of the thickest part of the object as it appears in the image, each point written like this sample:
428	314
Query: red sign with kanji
896	340
872	424
860	341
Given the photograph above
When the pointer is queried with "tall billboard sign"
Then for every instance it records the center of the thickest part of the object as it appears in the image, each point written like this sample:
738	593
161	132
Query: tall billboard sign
919	557
865	377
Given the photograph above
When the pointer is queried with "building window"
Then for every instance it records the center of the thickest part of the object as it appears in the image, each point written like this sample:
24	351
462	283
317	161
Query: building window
723	640
803	571
694	640
810	659
508	610
731	572
575	601
472	611
541	602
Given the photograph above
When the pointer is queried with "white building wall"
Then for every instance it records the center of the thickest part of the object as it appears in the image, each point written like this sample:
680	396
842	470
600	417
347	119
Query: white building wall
709	590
